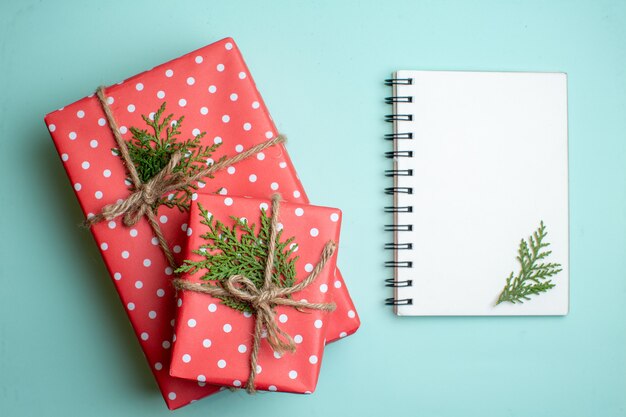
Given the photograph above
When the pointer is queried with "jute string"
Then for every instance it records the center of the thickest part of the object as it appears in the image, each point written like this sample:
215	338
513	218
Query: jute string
145	195
263	300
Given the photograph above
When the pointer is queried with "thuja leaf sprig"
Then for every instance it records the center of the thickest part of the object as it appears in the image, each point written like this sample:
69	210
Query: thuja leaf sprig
533	276
151	149
241	249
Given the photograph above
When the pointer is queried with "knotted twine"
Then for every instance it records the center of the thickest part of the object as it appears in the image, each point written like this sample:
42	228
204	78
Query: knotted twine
263	300
140	203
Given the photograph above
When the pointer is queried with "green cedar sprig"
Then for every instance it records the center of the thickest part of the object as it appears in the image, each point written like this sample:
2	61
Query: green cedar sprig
151	151
241	250
533	277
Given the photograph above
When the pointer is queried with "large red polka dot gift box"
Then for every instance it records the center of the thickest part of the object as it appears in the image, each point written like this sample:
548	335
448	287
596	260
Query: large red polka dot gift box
215	333
140	152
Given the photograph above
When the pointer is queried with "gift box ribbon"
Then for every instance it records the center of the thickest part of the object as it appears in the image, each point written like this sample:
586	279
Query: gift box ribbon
263	300
140	202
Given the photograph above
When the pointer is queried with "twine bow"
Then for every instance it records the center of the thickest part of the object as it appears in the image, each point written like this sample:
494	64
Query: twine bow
148	193
263	300
142	201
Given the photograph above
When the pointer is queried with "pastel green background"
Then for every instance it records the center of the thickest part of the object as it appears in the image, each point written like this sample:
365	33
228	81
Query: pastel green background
66	348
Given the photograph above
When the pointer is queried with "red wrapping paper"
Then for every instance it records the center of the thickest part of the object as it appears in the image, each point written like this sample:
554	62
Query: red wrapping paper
214	341
213	89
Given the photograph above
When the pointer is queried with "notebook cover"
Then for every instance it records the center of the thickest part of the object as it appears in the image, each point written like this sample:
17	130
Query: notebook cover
489	164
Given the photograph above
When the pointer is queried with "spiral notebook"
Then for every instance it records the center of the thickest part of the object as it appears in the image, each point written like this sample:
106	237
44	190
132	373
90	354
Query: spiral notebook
480	193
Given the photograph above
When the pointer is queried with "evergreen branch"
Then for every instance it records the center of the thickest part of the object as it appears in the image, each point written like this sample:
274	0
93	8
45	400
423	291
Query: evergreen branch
241	249
151	150
533	277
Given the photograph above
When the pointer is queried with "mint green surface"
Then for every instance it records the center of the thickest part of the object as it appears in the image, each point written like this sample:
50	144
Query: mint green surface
66	348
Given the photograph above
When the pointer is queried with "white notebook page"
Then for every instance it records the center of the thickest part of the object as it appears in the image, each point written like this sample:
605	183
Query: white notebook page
489	163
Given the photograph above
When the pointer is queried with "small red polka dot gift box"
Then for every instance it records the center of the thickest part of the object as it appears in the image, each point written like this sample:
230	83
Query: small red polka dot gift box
218	321
200	110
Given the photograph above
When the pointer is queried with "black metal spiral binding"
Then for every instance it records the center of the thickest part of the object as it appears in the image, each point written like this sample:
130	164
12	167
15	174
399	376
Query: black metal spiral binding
399	301
398	246
395	246
397	209
398	173
399	264
399	154
398	99
398	228
394	136
391	282
398	190
398	117
398	81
